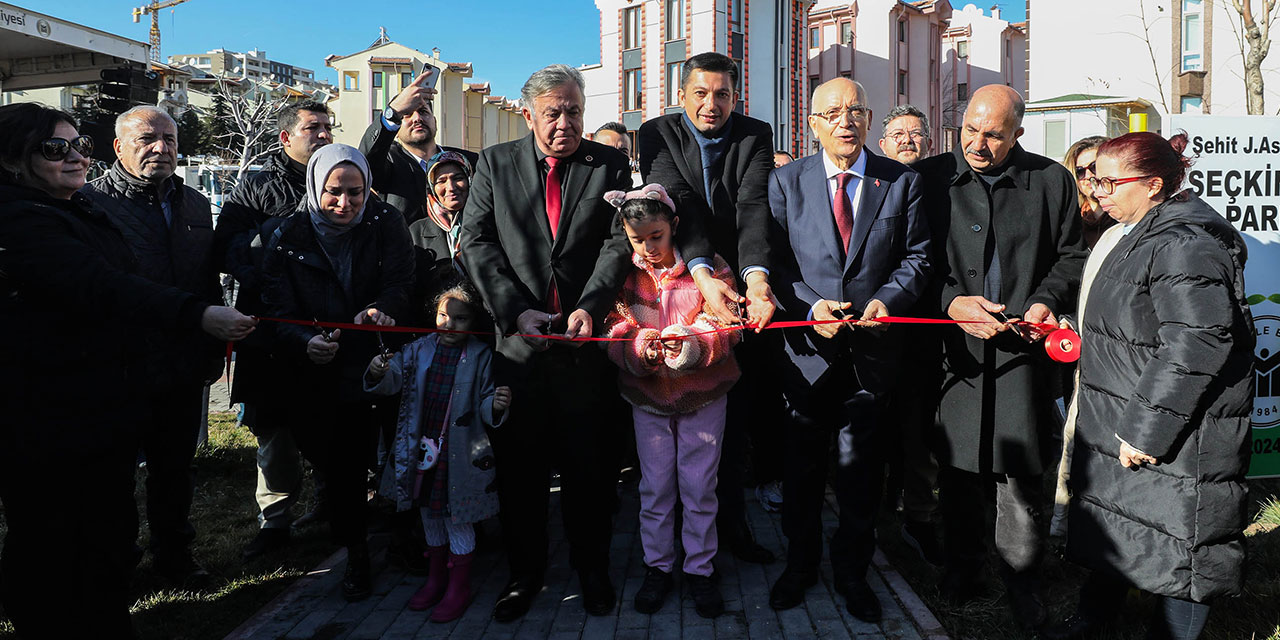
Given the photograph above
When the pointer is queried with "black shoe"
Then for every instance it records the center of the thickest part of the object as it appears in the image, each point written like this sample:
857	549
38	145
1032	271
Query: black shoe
788	591
357	579
516	598
598	596
653	591
315	516
960	588
182	571
742	544
1027	609
923	537
407	552
1076	627
706	595
267	541
860	600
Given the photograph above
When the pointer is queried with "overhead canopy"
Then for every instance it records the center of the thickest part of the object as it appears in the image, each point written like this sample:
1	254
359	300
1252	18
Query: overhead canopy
38	51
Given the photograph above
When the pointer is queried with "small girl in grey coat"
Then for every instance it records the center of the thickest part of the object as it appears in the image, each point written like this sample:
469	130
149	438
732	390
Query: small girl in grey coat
443	459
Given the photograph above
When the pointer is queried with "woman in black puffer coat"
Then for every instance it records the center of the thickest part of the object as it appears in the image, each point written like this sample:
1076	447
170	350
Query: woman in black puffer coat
1166	389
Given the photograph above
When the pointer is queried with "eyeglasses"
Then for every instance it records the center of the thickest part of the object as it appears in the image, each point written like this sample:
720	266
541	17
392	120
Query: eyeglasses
1108	185
901	136
55	149
856	113
1081	171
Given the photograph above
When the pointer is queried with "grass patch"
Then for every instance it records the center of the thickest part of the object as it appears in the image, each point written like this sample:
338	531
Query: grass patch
225	517
1251	616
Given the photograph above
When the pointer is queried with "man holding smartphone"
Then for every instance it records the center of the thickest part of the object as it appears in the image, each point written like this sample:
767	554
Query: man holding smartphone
400	169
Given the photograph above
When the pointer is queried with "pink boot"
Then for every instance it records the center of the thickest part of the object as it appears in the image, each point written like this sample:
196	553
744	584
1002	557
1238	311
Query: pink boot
437	578
458	597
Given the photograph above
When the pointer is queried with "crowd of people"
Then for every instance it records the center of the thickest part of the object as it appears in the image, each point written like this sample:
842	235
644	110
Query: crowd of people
520	257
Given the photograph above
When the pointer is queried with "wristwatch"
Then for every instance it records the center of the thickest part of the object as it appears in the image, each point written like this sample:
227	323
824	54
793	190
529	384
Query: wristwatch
391	115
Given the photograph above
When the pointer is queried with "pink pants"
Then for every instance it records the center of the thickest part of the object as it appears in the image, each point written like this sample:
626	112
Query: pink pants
679	453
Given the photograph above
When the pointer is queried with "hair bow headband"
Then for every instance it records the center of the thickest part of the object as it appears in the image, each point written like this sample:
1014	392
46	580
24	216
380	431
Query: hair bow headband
649	192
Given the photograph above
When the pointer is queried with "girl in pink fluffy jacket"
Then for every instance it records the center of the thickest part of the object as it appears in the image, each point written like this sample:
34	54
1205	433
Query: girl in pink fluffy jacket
675	371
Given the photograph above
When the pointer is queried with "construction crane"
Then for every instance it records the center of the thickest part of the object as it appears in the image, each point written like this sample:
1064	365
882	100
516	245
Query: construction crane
154	9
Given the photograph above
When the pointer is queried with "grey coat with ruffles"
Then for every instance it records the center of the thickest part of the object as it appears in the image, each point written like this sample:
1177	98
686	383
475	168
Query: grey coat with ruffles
472	478
1167	365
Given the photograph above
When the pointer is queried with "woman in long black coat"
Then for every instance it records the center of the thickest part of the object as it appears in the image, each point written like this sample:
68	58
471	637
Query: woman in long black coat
1165	393
342	257
69	307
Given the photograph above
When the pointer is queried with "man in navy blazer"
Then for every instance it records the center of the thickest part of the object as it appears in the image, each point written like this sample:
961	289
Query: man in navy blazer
850	242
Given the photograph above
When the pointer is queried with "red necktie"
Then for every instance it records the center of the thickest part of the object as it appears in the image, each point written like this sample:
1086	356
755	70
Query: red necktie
844	211
553	194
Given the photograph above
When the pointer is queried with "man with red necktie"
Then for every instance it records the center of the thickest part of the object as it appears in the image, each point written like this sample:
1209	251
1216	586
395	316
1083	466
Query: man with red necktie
543	248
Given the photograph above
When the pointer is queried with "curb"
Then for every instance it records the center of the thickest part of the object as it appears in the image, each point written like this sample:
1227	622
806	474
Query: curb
249	628
925	621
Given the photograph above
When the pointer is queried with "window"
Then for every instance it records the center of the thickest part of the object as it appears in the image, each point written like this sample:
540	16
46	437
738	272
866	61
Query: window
631	90
1192	36
902	31
815	38
674	69
206	61
377	79
1192	104
351	80
1055	138
846	33
736	13
902	83
631	28
406	78
675	19
962	91
962	49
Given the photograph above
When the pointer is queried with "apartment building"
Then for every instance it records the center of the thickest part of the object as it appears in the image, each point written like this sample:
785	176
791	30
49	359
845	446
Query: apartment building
252	65
978	49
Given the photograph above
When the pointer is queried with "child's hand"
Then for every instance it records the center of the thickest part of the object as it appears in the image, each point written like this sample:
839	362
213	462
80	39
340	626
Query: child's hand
653	352
501	399
673	346
378	367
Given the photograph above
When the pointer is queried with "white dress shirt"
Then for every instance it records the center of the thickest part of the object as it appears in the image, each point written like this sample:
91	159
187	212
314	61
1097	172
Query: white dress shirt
858	170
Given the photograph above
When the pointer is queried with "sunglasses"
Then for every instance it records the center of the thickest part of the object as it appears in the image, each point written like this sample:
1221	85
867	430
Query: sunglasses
55	149
1086	169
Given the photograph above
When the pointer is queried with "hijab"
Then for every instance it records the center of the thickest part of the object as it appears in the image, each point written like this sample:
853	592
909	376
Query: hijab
322	163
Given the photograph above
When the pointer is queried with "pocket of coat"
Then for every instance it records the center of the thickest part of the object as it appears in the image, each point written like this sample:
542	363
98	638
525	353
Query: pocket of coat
886	223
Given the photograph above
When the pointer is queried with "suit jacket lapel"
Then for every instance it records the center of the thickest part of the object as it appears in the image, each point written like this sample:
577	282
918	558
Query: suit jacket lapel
692	157
873	193
527	167
814	183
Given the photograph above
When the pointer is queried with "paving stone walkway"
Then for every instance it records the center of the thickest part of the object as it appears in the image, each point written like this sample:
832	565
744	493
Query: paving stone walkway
313	608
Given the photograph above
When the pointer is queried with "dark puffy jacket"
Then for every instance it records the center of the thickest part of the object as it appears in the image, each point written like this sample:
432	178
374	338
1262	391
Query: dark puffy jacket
255	208
300	284
1167	365
180	256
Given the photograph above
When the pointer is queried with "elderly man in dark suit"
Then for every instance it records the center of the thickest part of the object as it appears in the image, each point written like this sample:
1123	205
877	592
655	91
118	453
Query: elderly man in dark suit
850	241
547	255
715	163
1007	239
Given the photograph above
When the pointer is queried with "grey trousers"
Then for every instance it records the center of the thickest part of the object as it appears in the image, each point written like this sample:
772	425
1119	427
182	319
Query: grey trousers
279	469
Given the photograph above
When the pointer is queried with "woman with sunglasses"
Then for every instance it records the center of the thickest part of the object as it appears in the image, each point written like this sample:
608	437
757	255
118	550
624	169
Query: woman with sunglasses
1079	159
1165	396
68	309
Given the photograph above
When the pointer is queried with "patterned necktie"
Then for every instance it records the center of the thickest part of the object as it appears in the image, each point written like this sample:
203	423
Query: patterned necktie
553	194
844	211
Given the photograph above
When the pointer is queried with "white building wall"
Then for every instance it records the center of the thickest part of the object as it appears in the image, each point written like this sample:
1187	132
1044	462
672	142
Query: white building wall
1115	60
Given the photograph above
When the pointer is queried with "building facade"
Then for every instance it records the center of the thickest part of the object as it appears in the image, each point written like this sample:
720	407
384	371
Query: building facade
891	47
252	65
978	49
644	43
466	115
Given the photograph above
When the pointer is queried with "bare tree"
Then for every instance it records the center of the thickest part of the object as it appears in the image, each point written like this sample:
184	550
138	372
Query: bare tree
1155	66
1256	34
250	124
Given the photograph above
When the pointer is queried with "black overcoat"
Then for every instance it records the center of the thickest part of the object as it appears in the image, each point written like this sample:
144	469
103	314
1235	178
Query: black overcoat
1167	365
995	406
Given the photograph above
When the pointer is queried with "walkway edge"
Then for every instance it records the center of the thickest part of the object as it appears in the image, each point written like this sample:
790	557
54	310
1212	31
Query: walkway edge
925	621
249	628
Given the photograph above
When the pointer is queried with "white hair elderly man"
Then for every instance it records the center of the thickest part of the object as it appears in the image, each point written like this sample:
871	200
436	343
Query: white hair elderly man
169	227
540	243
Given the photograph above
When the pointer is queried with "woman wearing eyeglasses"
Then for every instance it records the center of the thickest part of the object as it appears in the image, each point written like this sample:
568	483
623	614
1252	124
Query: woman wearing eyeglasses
1079	159
68	309
1166	389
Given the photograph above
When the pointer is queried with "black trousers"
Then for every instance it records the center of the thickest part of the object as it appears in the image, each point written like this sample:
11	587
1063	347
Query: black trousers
169	425
1102	596
340	441
752	429
835	407
69	552
1019	501
559	418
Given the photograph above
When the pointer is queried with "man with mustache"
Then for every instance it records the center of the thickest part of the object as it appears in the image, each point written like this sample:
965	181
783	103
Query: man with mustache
905	135
169	227
1007	239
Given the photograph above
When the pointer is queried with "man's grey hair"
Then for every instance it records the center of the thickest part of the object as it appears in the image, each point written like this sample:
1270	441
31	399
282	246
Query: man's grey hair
137	111
548	78
905	110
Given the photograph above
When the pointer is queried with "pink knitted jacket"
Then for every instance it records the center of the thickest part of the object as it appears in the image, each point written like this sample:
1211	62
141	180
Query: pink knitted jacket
651	307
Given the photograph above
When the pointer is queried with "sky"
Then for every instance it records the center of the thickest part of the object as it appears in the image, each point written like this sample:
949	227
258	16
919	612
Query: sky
506	40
